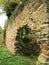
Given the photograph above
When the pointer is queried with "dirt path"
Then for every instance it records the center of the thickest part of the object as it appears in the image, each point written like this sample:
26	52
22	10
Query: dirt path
31	61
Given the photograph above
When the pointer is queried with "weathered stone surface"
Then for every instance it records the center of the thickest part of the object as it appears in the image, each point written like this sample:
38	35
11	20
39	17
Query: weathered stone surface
35	14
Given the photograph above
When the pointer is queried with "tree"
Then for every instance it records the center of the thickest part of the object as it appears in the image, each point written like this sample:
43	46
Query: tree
4	2
9	6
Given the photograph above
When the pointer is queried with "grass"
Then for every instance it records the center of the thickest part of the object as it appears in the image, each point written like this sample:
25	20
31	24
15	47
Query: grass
8	59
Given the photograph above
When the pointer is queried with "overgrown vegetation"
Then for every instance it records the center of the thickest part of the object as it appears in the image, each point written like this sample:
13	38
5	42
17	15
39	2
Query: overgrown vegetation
9	6
27	41
11	9
8	59
24	34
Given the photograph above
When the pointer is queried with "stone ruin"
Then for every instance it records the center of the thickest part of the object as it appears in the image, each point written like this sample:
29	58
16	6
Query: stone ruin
34	13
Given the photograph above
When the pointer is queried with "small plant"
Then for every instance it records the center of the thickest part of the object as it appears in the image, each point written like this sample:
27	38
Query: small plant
27	41
9	8
24	34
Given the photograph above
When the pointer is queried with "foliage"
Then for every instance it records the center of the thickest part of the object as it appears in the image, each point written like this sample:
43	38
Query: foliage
8	59
9	6
24	34
13	13
10	11
4	2
27	41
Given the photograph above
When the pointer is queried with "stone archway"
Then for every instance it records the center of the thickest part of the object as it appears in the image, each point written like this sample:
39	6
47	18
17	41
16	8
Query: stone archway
38	15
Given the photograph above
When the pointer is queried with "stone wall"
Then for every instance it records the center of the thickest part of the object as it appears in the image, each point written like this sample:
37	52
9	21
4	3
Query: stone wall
43	58
34	14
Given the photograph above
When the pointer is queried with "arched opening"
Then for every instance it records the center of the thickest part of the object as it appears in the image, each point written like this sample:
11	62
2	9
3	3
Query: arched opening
26	41
24	34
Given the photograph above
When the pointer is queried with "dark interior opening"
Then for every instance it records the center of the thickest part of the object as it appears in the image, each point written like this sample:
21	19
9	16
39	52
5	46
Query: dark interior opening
24	34
27	41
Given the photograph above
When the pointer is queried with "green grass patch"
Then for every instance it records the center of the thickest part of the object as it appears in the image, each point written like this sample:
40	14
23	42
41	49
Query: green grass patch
8	59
